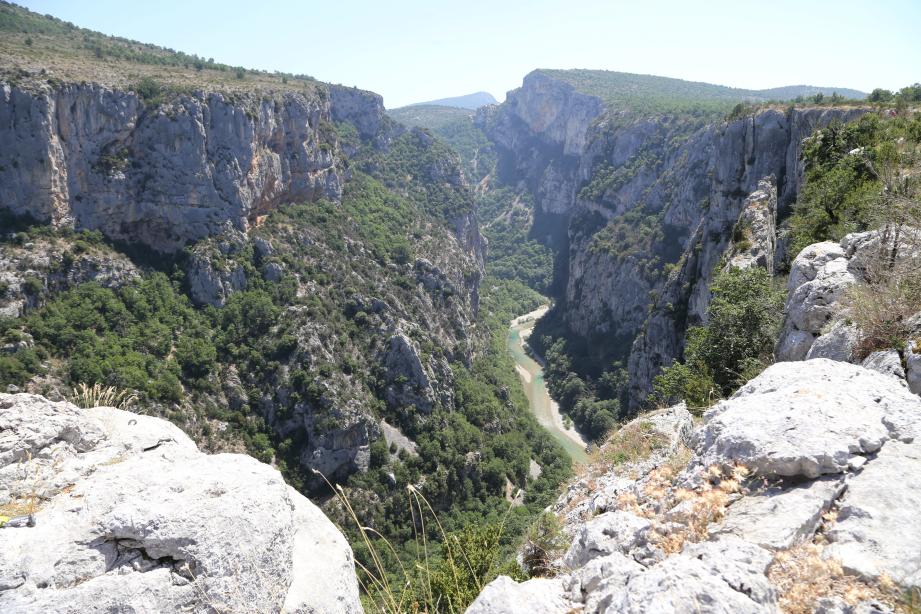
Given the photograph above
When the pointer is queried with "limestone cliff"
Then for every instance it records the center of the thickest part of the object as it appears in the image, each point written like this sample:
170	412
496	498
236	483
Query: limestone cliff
650	200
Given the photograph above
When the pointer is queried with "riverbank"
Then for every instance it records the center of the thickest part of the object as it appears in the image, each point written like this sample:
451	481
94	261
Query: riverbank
531	374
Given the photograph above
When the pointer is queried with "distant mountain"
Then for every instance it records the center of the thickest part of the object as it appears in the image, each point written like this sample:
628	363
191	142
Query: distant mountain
470	101
648	93
790	92
431	116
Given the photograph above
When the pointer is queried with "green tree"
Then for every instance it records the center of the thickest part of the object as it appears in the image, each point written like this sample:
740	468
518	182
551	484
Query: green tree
737	342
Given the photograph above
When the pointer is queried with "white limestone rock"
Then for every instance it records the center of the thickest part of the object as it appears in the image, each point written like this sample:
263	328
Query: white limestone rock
807	419
780	518
722	577
836	344
877	530
611	532
134	519
887	362
536	596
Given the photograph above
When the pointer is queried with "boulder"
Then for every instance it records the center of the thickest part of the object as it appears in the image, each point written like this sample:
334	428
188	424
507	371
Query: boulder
537	596
888	362
807	420
611	532
133	518
836	344
913	365
726	576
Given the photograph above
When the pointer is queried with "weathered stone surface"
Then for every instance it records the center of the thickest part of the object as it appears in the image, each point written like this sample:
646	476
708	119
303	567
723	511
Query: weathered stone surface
131	517
913	365
600	577
726	576
409	380
608	533
101	158
807	419
537	596
757	226
813	304
819	278
780	518
587	498
887	362
837	344
877	531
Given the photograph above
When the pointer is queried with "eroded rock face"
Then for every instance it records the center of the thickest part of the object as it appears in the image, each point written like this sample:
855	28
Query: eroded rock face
132	517
827	447
97	158
816	309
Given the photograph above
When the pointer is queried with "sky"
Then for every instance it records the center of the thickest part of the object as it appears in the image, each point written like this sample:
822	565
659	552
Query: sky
416	50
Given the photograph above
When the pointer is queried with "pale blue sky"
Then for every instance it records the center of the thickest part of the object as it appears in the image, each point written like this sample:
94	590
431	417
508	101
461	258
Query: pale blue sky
416	50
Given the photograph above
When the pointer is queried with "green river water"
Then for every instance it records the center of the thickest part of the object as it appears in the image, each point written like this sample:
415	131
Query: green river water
532	379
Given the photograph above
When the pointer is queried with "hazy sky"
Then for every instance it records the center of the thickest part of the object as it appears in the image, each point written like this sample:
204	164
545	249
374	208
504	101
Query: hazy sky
416	50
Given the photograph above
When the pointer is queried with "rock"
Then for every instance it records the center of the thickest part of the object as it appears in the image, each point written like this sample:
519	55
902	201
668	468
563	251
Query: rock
133	518
837	605
585	500
410	383
837	344
887	362
101	158
727	576
819	277
211	286
807	419
779	518
913	366
813	304
757	226
536	596
609	533
601	576
273	272
877	530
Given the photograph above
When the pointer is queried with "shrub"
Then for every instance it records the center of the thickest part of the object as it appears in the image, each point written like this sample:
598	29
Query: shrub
743	319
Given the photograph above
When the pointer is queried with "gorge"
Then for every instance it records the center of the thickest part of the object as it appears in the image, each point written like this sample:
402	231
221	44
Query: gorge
619	343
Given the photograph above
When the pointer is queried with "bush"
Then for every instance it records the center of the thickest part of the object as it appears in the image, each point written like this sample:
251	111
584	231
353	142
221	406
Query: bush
743	320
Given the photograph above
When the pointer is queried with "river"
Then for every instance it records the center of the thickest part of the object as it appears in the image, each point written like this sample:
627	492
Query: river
531	375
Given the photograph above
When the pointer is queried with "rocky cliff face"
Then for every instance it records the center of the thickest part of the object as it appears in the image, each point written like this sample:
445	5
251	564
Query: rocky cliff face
796	495
132	517
165	174
643	193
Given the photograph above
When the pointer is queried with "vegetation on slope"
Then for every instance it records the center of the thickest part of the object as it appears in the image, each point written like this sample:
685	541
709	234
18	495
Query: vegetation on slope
858	176
736	344
647	94
43	48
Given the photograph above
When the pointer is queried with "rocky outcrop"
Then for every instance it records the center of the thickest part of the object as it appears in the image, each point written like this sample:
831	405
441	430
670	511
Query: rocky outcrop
816	313
169	173
820	455
30	269
131	517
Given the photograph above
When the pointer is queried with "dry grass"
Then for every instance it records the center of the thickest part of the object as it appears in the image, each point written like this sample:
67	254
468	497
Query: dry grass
98	395
802	576
635	441
684	515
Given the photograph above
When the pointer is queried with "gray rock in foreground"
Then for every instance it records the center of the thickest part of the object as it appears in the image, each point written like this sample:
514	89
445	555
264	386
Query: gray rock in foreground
133	518
808	419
